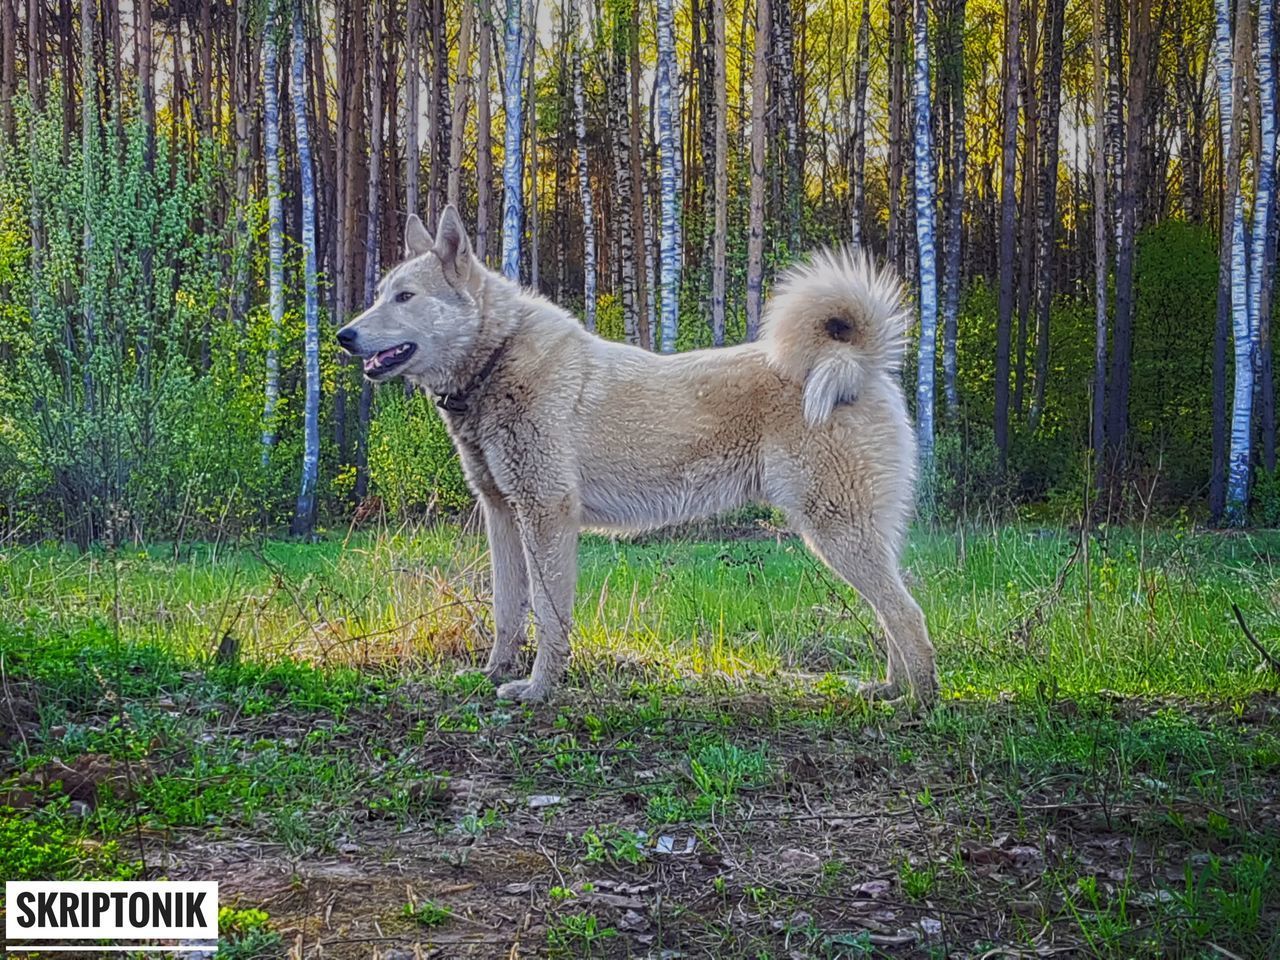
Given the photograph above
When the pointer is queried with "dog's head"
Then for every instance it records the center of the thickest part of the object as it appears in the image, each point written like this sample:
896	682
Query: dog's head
426	314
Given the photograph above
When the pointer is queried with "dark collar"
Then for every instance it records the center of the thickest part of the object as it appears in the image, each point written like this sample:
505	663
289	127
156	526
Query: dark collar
457	401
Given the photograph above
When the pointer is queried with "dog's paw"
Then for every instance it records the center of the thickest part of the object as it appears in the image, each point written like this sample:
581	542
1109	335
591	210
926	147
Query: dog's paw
524	691
899	695
498	672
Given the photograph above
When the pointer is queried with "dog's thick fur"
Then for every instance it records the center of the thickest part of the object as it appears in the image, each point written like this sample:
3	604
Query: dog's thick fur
560	430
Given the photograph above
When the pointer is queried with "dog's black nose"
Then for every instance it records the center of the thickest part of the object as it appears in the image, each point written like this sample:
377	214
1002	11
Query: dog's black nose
347	338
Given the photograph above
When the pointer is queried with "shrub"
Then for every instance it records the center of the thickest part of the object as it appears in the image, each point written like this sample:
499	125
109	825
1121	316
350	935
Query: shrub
412	463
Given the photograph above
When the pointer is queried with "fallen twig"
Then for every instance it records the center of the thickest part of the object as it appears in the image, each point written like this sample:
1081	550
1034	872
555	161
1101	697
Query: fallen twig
1268	658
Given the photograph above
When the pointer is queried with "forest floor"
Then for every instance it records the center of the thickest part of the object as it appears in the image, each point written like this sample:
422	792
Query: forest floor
1101	778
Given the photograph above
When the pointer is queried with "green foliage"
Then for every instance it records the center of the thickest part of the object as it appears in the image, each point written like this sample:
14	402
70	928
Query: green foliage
427	914
609	321
246	935
1264	505
1171	399
412	463
48	846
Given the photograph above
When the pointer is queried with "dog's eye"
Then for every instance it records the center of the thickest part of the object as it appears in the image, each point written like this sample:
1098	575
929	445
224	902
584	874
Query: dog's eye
404	296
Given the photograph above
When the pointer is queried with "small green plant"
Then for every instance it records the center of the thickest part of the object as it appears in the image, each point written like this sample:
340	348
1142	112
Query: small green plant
577	934
475	824
427	914
612	844
246	934
917	882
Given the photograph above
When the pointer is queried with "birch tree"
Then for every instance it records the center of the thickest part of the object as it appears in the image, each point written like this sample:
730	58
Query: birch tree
1098	401
275	215
954	230
412	153
1231	55
755	229
925	218
721	178
858	175
513	142
584	174
1047	195
667	118
484	135
1008	208
1262	255
305	513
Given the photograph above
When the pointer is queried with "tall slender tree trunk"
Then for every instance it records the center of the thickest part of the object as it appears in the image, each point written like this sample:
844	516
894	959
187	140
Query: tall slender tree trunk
371	63
859	158
373	224
720	224
1047	195
244	72
484	141
275	221
639	186
584	174
304	518
667	117
1231	57
782	52
412	110
897	125
513	142
8	78
955	207
627	253
1008	208
531	105
458	125
925	219
1262	257
1098	413
755	230
1122	336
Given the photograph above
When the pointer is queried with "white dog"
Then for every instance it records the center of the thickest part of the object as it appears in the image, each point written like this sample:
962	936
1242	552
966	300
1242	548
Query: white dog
560	430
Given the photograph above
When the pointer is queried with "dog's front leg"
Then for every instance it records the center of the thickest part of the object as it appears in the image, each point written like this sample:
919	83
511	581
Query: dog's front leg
510	588
550	534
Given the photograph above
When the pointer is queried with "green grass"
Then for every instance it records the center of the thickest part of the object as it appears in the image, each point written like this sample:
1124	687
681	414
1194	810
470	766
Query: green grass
1144	615
1095	711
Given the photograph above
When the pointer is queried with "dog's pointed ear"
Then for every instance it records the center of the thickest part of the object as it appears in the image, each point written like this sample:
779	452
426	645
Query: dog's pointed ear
452	246
416	239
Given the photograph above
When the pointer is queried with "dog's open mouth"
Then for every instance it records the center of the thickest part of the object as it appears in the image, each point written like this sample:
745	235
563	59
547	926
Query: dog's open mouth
387	360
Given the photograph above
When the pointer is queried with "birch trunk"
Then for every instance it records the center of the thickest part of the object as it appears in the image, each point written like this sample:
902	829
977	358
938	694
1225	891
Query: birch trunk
484	141
1098	415
755	233
275	222
670	257
1047	195
858	174
925	219
513	143
955	210
305	512
412	81
584	176
721	215
1262	256
1231	54
1008	207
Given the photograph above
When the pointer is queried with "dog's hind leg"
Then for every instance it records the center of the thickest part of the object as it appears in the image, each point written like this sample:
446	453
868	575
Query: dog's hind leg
510	588
550	534
871	568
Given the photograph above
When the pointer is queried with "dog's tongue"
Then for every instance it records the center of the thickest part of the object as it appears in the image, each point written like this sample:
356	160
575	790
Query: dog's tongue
386	356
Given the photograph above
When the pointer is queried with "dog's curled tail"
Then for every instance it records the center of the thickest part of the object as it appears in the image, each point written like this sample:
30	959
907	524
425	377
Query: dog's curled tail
833	323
